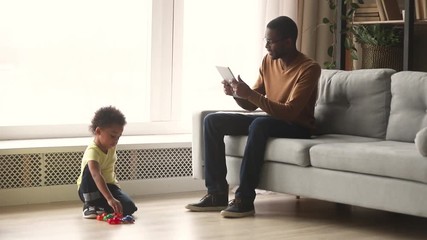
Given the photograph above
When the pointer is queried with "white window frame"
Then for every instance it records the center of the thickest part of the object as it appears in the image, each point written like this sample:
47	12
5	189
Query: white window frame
164	84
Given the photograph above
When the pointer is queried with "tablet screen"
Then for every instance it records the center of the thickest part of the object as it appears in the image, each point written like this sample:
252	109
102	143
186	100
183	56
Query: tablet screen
225	73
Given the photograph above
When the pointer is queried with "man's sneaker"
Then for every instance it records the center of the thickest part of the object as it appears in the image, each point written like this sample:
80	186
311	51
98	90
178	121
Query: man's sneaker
90	212
210	202
238	208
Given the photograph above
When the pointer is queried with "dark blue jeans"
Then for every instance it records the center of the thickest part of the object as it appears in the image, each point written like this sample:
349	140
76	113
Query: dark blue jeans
258	128
90	195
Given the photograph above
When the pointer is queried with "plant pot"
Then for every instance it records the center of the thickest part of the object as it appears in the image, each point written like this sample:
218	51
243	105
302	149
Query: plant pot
382	57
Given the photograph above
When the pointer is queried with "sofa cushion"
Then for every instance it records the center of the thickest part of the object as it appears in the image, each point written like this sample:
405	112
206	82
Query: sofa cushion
385	158
421	141
408	113
354	102
288	150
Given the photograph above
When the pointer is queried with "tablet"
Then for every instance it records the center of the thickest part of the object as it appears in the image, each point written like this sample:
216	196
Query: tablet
225	73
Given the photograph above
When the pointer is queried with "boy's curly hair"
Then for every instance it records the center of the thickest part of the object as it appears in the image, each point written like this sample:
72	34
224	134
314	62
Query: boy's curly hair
107	116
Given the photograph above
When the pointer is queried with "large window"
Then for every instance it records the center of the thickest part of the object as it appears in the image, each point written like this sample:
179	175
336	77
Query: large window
155	60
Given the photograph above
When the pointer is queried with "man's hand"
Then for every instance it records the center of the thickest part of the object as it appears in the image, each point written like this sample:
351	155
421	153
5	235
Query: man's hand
228	90
240	88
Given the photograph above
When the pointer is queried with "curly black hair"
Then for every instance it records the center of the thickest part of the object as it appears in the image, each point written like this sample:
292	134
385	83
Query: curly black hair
107	116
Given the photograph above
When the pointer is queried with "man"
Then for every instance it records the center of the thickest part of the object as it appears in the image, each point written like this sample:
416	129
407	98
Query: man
286	90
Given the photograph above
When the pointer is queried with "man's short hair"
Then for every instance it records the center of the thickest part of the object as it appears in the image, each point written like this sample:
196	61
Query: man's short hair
285	26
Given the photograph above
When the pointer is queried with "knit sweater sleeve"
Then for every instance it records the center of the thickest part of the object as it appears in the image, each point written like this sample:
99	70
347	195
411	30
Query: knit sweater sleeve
302	94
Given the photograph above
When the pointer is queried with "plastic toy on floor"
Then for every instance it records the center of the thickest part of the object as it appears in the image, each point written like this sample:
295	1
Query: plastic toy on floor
128	219
115	218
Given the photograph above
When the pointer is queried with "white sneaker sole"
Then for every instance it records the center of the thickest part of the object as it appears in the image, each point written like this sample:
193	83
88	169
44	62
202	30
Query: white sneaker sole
92	216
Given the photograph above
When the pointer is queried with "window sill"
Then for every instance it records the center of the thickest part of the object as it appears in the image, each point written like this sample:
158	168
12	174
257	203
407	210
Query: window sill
79	144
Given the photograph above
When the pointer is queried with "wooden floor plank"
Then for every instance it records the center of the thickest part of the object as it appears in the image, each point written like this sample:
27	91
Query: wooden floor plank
278	216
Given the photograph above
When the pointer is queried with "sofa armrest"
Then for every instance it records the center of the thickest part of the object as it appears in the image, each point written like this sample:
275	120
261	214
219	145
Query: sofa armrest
197	150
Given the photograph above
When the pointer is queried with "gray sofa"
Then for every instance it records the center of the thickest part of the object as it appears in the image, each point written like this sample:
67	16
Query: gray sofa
364	152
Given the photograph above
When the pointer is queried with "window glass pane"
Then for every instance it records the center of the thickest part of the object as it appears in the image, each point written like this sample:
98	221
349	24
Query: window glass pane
62	60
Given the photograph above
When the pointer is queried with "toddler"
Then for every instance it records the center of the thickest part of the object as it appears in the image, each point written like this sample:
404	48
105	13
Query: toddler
97	184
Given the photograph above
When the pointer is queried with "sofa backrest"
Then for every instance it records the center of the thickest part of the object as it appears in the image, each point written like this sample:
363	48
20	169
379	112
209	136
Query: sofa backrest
354	102
408	113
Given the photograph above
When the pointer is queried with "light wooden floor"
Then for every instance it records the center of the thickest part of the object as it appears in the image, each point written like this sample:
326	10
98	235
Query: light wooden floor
161	217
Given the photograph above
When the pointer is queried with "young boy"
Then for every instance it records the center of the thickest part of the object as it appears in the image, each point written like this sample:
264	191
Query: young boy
97	184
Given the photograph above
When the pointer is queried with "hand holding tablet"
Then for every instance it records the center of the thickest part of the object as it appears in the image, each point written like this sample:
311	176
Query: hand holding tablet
227	75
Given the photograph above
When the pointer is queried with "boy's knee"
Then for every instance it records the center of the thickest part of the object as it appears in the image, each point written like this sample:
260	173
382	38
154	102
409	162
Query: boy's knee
129	208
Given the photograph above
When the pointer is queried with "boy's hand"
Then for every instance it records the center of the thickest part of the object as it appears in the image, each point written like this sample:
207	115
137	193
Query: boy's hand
116	205
95	171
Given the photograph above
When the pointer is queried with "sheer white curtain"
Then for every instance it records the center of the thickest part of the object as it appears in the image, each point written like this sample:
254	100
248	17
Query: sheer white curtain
273	8
314	37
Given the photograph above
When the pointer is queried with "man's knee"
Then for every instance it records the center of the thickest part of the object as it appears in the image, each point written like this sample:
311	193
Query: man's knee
212	118
259	125
216	121
208	119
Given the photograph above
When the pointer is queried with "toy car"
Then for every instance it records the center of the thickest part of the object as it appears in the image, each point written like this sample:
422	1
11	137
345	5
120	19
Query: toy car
128	219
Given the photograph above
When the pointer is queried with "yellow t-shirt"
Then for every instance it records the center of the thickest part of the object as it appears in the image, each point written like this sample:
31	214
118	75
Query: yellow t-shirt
106	163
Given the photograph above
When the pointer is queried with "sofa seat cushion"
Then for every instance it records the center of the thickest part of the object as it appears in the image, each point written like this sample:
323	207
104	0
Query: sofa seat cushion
289	150
385	158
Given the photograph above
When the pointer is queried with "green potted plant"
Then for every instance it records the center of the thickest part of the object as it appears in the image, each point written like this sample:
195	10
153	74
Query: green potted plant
351	7
381	45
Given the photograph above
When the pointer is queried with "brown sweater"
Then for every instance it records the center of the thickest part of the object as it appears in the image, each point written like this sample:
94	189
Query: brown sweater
286	92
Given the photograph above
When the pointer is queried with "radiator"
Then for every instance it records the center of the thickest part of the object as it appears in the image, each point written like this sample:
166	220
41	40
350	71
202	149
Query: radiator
49	174
63	168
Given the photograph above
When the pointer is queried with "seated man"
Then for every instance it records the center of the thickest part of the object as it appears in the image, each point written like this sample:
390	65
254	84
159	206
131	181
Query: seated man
286	90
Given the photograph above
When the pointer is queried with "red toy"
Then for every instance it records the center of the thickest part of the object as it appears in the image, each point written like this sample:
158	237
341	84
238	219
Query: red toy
115	218
100	217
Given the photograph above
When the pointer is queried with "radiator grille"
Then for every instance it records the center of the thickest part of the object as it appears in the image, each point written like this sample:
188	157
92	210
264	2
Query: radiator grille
18	171
63	168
